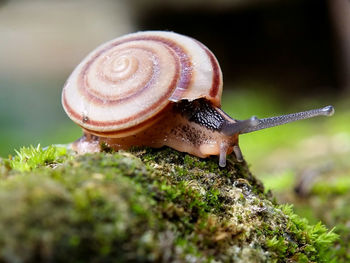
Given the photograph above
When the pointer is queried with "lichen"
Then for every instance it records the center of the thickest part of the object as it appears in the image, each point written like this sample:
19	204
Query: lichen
146	205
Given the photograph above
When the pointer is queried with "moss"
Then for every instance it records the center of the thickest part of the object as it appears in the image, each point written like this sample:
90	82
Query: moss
332	206
33	157
146	205
325	196
316	239
279	246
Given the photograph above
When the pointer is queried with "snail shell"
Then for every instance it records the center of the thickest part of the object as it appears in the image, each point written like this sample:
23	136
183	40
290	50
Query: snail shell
123	85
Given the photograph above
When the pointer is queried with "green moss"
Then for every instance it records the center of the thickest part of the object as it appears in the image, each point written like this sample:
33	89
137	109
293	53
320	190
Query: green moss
146	205
29	158
333	208
316	238
326	198
279	246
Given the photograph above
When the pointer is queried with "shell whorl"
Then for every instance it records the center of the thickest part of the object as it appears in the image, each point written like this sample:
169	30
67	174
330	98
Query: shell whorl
124	84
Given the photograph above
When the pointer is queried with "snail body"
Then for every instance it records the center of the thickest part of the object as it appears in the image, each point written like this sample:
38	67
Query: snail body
157	88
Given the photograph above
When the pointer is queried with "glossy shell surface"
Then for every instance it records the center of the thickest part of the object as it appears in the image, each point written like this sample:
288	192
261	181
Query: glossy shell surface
122	85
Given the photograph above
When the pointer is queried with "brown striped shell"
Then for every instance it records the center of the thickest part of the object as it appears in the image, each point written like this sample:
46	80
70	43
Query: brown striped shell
123	85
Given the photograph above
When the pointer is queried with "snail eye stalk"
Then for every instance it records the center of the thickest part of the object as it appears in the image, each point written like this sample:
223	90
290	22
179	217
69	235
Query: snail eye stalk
283	119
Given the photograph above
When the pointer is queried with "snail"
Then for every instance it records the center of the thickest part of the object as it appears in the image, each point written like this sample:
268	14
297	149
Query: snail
157	88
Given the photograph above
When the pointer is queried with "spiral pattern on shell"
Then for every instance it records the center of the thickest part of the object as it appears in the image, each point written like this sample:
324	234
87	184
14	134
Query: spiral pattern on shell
125	84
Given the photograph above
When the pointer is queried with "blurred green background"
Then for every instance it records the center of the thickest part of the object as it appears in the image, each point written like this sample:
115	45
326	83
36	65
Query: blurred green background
277	57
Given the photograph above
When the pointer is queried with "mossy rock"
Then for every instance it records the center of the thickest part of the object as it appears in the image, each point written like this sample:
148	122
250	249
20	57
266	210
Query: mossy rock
146	206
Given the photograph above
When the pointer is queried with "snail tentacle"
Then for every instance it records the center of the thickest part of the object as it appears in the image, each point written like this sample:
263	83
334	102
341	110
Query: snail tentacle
231	128
223	152
238	153
283	119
